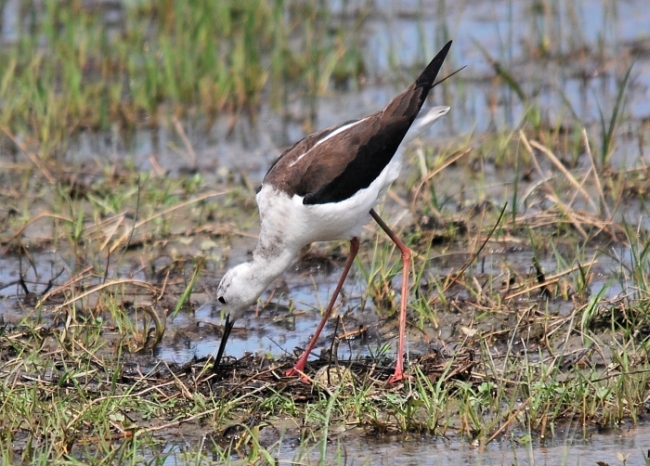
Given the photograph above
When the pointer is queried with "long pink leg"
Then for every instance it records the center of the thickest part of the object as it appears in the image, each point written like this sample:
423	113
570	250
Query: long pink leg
300	365
406	268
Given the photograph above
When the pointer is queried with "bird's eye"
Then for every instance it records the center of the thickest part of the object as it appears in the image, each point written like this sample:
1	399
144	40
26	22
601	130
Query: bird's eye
221	300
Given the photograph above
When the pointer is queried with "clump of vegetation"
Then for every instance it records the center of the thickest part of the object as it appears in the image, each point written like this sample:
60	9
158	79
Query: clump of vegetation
530	303
74	65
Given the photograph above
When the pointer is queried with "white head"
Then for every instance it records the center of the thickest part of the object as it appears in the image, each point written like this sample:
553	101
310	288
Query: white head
239	288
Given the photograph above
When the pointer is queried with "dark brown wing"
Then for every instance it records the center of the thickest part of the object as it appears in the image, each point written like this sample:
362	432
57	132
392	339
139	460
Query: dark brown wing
330	168
312	163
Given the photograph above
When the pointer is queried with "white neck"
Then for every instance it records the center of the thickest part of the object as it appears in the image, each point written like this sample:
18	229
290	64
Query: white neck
269	261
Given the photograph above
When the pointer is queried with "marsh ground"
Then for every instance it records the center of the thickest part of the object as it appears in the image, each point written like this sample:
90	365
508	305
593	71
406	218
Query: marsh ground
133	137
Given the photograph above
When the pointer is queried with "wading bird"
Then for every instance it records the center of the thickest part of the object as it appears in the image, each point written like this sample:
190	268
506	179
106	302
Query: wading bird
325	188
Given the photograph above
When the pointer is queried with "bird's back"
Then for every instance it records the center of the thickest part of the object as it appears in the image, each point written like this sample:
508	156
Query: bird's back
334	164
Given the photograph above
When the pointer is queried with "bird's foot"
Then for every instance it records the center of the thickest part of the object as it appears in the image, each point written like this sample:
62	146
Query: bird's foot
297	370
292	372
399	376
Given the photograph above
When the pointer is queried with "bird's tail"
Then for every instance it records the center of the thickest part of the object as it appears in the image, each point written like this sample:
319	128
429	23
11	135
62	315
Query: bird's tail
408	104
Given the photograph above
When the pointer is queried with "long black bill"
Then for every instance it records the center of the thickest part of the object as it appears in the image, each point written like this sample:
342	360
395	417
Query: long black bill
227	328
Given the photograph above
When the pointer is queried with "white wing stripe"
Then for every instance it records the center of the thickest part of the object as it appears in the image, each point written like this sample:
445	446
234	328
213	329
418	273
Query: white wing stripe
330	135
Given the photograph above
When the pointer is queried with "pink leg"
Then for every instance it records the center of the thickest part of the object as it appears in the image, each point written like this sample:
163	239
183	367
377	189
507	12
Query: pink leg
300	365
406	268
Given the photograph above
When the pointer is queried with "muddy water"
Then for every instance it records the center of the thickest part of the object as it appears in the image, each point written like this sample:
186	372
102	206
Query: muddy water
631	443
290	310
628	445
293	312
607	447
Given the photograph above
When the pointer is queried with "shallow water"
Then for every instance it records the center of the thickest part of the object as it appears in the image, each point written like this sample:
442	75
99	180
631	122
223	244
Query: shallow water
592	43
295	301
610	447
633	443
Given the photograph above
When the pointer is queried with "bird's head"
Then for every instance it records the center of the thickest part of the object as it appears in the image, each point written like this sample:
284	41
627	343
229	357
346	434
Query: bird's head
239	288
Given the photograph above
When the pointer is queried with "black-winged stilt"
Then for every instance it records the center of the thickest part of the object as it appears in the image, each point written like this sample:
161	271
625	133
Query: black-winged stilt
324	188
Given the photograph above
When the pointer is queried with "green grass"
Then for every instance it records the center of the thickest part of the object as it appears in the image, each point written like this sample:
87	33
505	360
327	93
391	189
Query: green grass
539	312
193	60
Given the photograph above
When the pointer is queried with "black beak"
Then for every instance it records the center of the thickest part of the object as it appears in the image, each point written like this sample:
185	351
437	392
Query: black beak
222	346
